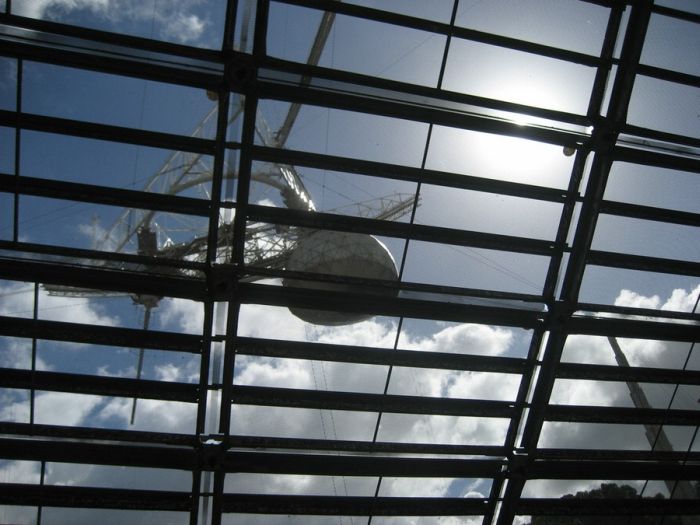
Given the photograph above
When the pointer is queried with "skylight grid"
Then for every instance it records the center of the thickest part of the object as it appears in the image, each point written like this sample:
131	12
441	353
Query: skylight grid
292	261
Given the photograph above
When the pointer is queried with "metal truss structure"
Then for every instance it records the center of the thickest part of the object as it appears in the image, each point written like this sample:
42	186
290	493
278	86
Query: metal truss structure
212	451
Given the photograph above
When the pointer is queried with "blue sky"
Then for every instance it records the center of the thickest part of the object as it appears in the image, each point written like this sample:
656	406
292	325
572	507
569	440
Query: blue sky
408	56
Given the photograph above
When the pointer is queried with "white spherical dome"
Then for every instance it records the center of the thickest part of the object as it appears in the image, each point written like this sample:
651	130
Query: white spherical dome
345	254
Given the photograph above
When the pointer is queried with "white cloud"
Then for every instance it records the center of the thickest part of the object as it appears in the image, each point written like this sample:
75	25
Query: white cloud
180	315
679	300
19	302
172	19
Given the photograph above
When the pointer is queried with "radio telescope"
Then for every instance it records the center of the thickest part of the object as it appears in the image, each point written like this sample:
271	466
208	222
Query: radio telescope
170	236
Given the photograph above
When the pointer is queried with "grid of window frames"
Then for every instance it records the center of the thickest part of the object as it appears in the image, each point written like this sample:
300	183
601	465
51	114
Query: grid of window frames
301	261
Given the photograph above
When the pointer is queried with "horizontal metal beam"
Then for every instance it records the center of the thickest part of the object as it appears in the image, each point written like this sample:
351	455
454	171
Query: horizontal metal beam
659	160
677	13
635	374
678	456
530	302
643	263
110	38
634	328
621	415
150	456
102	279
351	506
657	315
415	113
87	257
322	399
371	465
378	447
407	173
606	507
417	232
99	335
98	385
56	432
59	189
602	470
650	213
380	356
120	134
271	295
95	498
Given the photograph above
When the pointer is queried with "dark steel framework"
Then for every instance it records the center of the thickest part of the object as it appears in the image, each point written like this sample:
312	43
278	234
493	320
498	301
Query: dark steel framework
258	76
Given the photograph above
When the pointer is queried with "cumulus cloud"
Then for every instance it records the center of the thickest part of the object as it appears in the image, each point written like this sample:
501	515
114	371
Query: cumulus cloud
18	301
172	19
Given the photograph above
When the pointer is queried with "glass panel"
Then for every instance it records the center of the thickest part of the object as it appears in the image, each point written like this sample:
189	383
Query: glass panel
273	519
244	483
466	338
609	393
665	35
550	488
77	159
652	186
302	423
8	83
411	428
434	487
7	216
489	71
439	10
474	268
664	106
453	384
636	352
498	157
358	45
16	352
593	436
15	405
567	24
490	213
120	101
117	362
650	238
198	24
17	298
271	322
335	192
108	476
59	516
18	515
310	375
347	134
638	289
7	151
684	5
112	229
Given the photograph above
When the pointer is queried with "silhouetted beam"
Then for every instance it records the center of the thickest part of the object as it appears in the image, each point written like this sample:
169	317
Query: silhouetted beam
352	506
621	415
330	465
99	335
297	398
98	385
98	498
380	447
380	356
606	507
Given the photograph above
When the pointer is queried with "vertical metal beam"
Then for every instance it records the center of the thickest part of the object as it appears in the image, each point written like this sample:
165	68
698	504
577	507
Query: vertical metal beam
603	142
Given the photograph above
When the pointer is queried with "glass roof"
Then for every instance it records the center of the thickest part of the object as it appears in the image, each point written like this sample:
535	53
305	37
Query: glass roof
312	261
